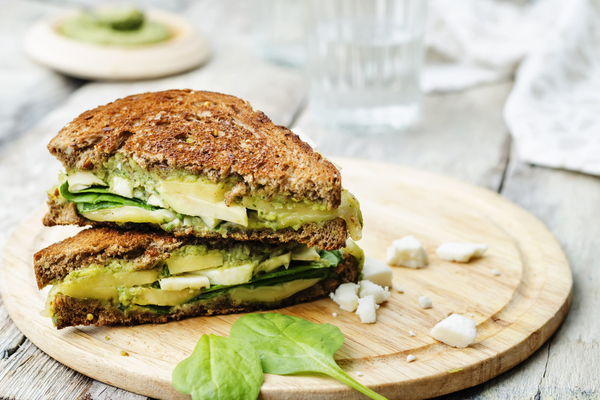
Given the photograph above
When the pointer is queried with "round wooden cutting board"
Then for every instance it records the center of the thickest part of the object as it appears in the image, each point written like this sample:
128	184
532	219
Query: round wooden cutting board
515	312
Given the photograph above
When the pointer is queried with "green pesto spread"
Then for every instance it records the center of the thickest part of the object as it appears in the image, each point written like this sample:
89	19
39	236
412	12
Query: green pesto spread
179	199
122	284
114	27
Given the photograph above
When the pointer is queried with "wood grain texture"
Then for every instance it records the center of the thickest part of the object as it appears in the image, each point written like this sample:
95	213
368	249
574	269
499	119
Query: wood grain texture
569	204
28	91
515	312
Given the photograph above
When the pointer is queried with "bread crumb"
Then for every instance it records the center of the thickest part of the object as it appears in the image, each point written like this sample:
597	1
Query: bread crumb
90	317
334	314
124	353
399	313
496	272
410	358
411	333
358	373
399	289
425	302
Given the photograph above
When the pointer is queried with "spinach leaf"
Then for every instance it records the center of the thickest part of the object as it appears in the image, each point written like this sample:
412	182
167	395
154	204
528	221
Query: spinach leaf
92	201
93	189
289	345
161	310
321	273
219	368
289	271
89	207
333	257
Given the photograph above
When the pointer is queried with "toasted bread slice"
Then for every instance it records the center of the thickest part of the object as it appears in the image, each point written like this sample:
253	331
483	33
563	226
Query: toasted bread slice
203	133
85	271
329	235
68	311
98	245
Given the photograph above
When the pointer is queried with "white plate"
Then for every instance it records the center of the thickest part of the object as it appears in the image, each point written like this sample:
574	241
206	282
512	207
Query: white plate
187	49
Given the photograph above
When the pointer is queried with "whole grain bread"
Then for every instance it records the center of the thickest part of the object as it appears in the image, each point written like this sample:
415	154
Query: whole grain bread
329	235
96	246
204	133
68	311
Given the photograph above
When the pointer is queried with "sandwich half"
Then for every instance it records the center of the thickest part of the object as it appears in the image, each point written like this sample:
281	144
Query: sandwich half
198	163
107	276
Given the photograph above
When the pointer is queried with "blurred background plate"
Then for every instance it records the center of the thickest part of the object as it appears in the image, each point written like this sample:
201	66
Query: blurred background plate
186	50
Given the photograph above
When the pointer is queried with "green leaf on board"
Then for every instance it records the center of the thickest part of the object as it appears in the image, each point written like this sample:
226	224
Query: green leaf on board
220	368
289	345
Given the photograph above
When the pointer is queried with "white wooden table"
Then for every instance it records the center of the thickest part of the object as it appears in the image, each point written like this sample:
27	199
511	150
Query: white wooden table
461	135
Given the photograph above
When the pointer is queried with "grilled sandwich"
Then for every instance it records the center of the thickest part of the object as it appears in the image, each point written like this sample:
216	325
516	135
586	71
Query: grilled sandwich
107	276
202	164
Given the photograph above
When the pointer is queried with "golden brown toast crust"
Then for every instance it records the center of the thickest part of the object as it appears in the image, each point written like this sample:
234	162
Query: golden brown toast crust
96	246
204	133
330	235
69	311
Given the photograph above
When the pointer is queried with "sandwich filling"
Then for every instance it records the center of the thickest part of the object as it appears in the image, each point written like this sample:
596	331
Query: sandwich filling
123	192
243	273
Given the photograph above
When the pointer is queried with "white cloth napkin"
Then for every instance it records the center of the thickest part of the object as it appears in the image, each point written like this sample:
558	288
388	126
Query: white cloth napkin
553	111
484	40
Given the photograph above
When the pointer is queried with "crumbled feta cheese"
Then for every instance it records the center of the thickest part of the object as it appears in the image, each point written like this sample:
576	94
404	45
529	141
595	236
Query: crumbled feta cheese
82	180
154	200
334	314
346	296
411	333
211	222
496	272
460	252
367	309
407	252
377	272
410	358
184	281
425	302
399	289
358	373
139	193
456	330
122	187
368	288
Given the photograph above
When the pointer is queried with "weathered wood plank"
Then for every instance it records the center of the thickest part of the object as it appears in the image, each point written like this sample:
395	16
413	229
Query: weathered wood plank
461	135
101	391
569	204
28	91
42	377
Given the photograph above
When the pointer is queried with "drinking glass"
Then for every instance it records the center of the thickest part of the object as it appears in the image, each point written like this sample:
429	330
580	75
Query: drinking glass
364	58
279	31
